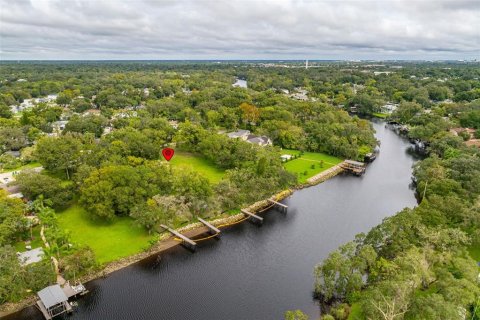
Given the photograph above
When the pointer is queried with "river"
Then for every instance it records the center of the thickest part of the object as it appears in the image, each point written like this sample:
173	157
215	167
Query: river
258	272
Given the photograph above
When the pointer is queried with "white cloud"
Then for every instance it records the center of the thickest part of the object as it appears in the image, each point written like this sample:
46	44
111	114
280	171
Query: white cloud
229	29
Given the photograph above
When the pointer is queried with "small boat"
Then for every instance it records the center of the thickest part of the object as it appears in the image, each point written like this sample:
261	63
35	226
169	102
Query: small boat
369	157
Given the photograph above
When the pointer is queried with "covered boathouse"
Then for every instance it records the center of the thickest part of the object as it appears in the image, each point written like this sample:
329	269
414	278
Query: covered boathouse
53	301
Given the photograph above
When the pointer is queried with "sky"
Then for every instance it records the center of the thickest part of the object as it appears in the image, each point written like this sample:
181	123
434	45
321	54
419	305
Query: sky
231	29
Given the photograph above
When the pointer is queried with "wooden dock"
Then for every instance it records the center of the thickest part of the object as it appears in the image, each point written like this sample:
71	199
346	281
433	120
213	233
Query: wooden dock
189	243
251	215
213	230
355	167
283	207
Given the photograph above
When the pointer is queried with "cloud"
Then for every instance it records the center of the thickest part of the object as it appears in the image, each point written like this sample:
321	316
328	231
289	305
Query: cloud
230	29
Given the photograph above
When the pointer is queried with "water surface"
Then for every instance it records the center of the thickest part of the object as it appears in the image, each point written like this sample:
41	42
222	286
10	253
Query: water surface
258	272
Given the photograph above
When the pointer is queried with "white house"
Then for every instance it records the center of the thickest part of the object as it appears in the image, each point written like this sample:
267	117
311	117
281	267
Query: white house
261	141
59	126
240	134
389	108
245	135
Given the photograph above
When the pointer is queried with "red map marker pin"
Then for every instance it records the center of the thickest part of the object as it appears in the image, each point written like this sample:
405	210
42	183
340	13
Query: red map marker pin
168	153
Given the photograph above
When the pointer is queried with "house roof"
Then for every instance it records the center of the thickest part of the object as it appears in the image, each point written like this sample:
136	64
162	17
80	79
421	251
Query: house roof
52	295
473	142
258	140
239	133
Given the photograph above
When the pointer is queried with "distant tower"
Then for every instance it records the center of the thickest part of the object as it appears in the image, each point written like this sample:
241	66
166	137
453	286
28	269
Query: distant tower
306	64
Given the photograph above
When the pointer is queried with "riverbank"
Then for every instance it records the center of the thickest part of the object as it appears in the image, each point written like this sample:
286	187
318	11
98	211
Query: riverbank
166	241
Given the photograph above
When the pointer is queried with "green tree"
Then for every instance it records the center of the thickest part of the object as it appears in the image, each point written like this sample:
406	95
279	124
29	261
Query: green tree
295	315
86	124
60	153
33	184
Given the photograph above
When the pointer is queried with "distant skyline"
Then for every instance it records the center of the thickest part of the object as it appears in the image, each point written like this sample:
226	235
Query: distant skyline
239	30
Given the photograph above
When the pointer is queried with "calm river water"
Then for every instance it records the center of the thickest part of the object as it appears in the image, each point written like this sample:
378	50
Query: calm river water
257	272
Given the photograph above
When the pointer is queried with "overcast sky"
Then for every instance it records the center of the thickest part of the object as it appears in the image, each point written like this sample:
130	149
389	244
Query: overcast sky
230	29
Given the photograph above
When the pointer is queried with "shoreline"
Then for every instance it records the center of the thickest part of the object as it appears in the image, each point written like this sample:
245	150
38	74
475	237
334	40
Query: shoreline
167	241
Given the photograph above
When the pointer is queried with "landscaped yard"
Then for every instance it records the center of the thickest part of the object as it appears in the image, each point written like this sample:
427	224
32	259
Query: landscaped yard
30	165
304	164
380	115
110	241
199	164
35	243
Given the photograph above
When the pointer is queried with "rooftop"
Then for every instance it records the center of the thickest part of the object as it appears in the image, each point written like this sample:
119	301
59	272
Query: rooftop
52	296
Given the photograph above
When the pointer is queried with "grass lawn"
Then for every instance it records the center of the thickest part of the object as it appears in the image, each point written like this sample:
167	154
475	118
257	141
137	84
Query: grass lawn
380	115
35	243
110	241
474	252
304	164
355	312
199	164
30	165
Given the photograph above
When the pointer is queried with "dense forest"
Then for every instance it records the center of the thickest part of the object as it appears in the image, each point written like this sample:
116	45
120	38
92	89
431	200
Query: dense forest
86	138
421	262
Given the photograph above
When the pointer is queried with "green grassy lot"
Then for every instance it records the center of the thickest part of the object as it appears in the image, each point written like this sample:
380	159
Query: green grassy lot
355	312
305	162
474	252
199	164
30	165
35	243
380	115
110	241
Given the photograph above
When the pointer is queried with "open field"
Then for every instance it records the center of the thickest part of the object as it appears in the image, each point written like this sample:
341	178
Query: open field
30	165
380	115
304	164
110	241
199	164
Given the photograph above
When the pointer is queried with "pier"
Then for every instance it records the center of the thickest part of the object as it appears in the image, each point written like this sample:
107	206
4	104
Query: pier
212	229
254	216
281	206
189	243
355	167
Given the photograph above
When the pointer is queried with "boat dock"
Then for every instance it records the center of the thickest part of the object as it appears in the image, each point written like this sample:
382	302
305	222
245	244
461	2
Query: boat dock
254	216
189	243
355	167
281	206
212	229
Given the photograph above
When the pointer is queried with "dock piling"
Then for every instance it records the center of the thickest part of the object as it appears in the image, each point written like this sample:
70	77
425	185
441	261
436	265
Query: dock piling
187	242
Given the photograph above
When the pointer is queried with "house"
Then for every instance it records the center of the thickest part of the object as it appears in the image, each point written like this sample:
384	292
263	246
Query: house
300	94
91	111
261	141
388	108
107	130
457	131
245	135
473	143
53	301
286	157
240	134
14	154
59	126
